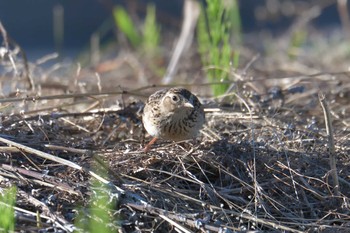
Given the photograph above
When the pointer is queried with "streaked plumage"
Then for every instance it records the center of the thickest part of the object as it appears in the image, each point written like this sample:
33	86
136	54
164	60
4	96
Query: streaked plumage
174	114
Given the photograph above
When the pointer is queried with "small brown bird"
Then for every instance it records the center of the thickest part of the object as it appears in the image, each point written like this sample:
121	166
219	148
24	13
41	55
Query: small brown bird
173	114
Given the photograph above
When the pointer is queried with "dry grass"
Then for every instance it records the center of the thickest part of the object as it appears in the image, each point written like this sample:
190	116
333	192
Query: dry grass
262	162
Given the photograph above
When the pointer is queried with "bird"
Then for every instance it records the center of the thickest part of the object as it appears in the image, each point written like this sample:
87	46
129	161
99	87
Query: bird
172	114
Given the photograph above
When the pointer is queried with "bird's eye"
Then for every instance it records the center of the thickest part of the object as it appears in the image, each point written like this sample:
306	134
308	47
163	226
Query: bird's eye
175	98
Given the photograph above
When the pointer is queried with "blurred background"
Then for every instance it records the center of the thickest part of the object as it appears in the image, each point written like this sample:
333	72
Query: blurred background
31	23
128	43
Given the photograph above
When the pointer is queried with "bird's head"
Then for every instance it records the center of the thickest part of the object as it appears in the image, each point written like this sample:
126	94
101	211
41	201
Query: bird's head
175	101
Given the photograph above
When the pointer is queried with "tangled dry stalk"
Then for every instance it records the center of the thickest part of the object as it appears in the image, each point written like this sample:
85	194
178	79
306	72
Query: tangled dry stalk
269	170
264	161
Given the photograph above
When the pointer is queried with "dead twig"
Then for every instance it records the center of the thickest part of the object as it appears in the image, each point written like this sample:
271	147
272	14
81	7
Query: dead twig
59	160
191	14
344	16
332	155
7	41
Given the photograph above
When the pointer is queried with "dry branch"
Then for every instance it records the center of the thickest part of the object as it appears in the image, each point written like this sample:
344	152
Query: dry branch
332	155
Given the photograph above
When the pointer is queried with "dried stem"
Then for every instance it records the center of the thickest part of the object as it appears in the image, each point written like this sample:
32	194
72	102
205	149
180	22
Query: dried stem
332	156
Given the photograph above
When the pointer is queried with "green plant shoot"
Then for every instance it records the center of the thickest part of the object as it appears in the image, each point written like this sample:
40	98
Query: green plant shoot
218	22
126	26
100	218
151	31
7	212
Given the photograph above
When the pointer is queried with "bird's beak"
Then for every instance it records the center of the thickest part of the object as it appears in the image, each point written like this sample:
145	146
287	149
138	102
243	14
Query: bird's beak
188	105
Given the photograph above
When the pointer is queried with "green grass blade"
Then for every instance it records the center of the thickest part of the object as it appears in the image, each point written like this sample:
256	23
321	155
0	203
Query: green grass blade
219	22
99	216
126	26
7	212
151	31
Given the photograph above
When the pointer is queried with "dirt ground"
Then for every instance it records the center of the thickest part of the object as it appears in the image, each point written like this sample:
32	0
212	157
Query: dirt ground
273	155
